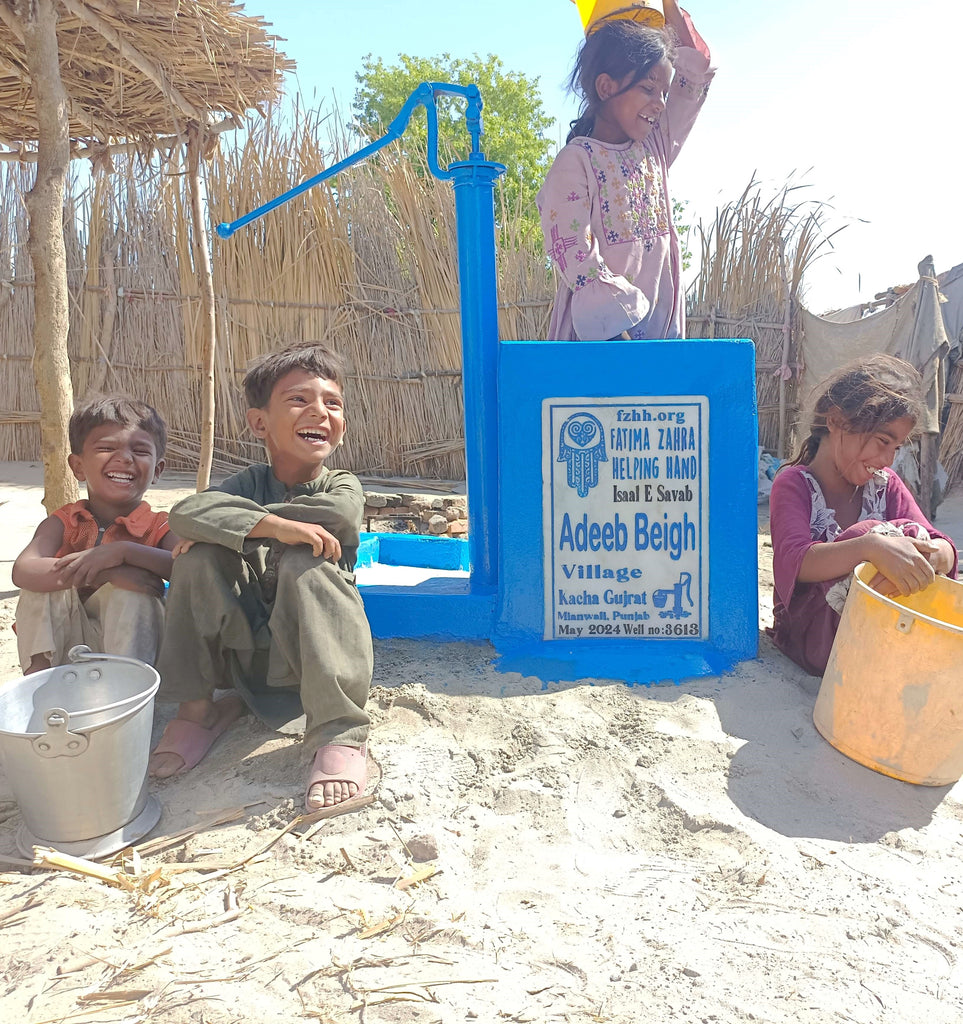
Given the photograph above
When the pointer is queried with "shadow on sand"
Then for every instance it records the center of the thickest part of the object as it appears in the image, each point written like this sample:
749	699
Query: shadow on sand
788	778
783	774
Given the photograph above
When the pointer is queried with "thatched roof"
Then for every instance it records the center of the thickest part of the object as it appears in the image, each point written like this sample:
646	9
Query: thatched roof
140	69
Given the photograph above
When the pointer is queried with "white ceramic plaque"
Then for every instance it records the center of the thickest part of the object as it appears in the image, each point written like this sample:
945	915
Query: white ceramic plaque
625	513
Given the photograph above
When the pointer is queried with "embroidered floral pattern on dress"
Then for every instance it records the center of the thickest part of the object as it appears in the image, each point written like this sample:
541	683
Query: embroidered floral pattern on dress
591	273
560	247
637	333
697	90
822	518
632	197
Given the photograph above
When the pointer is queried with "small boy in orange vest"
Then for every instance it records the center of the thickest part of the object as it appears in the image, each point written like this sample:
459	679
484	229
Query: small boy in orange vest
94	571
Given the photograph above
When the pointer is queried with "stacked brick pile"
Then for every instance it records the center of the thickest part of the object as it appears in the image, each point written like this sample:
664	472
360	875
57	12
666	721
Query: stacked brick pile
415	513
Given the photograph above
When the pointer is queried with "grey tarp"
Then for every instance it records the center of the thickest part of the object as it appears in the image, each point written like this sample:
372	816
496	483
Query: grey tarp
951	285
911	328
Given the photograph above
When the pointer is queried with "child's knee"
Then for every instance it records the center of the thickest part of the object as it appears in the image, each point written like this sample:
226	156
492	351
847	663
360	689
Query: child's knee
128	602
301	574
297	559
32	603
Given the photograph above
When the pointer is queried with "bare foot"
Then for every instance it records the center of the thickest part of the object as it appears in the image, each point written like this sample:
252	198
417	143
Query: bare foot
327	794
190	735
38	663
337	774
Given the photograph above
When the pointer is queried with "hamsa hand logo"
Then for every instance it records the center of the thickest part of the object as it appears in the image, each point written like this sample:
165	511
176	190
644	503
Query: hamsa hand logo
581	443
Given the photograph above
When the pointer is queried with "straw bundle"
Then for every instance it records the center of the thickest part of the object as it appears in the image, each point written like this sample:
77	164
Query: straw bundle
140	68
17	391
754	255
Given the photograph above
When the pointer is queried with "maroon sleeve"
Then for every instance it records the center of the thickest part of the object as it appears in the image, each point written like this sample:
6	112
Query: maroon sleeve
900	504
790	508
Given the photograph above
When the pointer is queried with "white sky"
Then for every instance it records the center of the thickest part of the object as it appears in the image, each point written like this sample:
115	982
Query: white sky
858	99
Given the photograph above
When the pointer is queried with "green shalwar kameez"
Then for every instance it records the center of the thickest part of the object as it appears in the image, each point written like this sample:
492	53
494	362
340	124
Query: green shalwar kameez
285	628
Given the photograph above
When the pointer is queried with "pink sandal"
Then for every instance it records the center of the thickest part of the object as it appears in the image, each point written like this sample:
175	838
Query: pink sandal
337	763
190	741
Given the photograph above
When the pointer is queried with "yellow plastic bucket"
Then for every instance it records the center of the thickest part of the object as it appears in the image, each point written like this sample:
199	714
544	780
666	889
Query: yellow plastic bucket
892	694
594	12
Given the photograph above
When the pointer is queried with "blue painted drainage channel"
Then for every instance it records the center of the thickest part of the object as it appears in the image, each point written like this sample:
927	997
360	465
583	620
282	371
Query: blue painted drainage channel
432	574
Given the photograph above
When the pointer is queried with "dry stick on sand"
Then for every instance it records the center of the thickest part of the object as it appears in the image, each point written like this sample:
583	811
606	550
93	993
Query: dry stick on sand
81	964
116	995
345	807
11	917
411	993
47	857
50	858
422	875
176	838
232	912
85	1011
121	968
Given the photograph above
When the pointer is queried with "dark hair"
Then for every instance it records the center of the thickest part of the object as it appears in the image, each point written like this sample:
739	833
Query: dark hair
128	412
616	48
311	356
868	393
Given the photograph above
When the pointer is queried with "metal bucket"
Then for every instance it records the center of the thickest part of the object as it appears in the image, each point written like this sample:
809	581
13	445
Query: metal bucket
75	741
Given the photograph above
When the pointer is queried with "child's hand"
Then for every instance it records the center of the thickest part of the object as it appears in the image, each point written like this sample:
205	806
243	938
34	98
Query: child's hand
940	554
903	564
81	568
181	546
134	578
322	543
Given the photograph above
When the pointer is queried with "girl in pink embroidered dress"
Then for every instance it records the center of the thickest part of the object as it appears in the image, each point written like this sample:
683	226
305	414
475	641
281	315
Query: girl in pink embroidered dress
838	504
605	207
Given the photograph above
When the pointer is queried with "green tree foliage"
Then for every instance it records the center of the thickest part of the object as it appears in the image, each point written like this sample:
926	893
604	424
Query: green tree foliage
680	217
513	120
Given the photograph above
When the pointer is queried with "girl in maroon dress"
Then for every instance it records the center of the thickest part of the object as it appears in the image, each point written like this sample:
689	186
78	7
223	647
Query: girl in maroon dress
838	503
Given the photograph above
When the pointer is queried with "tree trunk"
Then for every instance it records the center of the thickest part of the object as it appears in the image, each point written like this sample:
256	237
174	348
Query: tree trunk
205	285
45	206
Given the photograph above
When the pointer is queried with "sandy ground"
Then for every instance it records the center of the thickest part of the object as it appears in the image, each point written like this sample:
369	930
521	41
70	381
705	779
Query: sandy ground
588	852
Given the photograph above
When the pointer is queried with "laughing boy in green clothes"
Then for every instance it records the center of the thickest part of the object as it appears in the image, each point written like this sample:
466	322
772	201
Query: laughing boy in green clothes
262	596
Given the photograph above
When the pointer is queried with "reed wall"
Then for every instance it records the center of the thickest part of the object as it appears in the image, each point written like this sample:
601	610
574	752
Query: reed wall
368	263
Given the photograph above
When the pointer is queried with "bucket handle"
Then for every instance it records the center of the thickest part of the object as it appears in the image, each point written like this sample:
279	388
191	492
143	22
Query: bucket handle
58	740
82	653
118	704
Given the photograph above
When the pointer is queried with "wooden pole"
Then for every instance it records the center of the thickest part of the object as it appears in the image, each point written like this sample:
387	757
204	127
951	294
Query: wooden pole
929	452
786	341
205	284
45	208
